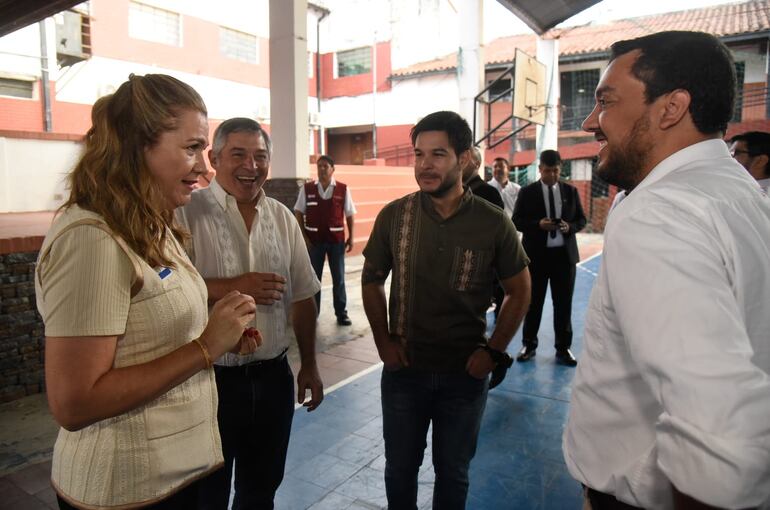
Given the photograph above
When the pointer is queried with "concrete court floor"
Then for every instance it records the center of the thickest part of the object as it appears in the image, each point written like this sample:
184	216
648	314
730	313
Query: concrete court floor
27	430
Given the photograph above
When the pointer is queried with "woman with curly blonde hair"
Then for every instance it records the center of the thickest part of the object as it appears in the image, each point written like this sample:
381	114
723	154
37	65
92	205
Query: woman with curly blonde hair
129	343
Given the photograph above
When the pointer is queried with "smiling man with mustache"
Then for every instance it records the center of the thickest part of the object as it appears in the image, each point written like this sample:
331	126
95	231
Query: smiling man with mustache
244	240
443	245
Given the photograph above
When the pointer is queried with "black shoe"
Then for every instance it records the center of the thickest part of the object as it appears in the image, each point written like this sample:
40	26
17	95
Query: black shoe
565	357
526	353
344	320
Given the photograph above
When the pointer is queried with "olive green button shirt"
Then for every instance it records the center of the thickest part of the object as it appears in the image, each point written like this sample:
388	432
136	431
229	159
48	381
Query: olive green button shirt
442	274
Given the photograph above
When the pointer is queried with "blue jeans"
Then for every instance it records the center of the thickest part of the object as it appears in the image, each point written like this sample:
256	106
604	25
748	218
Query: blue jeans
410	401
336	255
256	408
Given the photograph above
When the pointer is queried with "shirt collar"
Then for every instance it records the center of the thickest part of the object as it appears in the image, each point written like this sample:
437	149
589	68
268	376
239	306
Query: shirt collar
427	204
705	150
221	195
332	183
545	186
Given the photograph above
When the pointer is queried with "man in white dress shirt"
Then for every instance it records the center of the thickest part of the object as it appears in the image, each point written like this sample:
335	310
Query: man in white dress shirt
508	190
671	401
752	151
243	240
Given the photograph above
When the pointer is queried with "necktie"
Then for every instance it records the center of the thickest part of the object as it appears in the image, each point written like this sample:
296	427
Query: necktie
552	205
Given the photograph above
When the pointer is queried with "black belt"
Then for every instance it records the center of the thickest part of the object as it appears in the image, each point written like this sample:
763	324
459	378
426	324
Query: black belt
255	366
602	501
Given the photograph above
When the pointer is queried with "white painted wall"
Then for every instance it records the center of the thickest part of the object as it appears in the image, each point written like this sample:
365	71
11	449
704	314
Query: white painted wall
353	23
756	64
99	76
33	173
423	30
406	103
20	52
250	16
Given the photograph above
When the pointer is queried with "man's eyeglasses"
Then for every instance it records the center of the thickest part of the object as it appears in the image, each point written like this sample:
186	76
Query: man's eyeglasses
735	152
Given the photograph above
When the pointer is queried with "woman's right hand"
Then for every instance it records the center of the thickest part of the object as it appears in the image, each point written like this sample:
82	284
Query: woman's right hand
227	320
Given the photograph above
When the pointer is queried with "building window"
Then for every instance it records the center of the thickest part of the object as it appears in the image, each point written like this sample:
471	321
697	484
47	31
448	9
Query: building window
352	62
153	24
16	88
740	99
577	97
498	88
238	45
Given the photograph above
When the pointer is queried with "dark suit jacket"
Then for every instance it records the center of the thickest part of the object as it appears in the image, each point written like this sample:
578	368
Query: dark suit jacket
483	190
530	208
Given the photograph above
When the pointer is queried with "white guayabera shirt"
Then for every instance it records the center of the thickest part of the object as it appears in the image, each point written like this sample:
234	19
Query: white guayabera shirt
509	193
222	248
673	385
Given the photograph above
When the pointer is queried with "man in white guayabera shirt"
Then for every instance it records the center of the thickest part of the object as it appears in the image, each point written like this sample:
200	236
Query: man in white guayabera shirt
671	400
244	240
509	190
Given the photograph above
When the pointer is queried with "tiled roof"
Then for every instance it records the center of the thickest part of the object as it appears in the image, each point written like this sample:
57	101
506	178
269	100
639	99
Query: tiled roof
721	20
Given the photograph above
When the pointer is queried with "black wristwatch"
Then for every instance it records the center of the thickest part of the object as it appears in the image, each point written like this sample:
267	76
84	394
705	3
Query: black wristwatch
497	356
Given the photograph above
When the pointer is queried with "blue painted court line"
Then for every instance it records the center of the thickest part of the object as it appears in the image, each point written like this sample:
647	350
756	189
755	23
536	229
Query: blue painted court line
336	454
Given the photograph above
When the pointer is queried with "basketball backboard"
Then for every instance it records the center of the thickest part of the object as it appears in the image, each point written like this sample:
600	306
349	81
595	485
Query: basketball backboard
529	89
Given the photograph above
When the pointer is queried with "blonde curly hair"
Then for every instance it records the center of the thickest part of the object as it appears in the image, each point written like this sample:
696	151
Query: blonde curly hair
112	178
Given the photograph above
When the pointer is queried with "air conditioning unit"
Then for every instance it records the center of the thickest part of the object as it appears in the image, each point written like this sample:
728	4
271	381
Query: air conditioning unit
73	37
314	118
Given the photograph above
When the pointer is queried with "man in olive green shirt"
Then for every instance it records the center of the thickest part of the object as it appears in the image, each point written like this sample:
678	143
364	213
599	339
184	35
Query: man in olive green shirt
442	245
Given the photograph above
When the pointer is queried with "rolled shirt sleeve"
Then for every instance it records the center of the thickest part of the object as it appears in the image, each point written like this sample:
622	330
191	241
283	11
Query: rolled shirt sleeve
511	258
377	251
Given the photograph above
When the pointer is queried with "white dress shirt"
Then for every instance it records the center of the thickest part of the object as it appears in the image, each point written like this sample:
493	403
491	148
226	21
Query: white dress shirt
673	384
619	197
558	240
222	248
764	184
509	192
325	194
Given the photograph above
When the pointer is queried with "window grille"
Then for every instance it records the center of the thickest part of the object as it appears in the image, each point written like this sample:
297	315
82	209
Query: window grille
353	62
577	97
16	88
238	45
153	24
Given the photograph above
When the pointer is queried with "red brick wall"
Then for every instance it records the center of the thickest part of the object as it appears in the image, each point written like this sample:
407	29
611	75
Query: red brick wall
391	136
754	107
22	114
312	81
27	114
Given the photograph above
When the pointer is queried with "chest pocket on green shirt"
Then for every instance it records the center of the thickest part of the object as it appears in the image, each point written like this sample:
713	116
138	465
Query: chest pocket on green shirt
470	269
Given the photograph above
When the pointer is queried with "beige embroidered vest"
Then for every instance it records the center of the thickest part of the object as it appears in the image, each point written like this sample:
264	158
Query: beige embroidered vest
150	452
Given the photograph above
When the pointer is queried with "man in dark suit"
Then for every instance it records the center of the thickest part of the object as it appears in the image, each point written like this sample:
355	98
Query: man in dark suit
477	185
549	214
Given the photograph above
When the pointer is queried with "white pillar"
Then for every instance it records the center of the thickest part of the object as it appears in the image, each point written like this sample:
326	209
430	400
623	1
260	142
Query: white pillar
547	135
470	58
288	89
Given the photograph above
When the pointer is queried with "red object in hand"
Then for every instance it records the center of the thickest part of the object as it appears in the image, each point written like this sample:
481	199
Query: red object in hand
255	334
